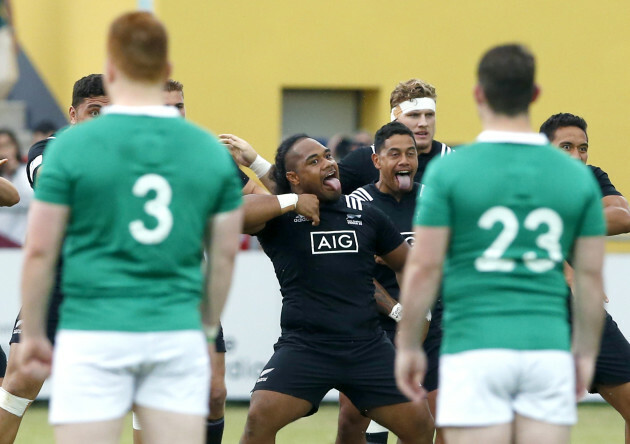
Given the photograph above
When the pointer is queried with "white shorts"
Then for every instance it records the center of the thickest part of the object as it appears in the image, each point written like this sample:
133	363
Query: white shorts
487	387
99	375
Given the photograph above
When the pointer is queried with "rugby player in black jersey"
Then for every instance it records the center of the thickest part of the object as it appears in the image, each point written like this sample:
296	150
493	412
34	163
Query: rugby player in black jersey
612	368
330	330
412	104
396	159
18	389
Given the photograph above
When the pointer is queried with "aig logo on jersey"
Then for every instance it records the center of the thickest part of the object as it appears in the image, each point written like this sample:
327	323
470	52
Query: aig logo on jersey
330	242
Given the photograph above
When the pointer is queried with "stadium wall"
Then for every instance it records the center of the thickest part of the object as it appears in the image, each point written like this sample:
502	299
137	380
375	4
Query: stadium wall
251	318
236	57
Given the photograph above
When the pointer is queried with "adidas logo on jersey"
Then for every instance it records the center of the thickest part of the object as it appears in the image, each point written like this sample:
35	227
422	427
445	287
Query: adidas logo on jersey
300	218
330	242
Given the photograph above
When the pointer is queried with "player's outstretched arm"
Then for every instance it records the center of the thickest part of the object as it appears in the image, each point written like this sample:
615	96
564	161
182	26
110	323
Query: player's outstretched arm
8	193
260	209
617	213
222	243
422	276
244	154
588	310
45	231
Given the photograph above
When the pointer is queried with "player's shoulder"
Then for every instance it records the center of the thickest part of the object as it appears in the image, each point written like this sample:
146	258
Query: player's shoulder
39	147
366	193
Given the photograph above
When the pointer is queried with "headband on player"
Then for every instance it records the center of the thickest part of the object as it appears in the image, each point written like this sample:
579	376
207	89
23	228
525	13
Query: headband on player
412	105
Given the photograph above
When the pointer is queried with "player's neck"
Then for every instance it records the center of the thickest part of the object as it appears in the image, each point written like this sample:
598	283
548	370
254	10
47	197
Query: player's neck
383	188
500	122
129	93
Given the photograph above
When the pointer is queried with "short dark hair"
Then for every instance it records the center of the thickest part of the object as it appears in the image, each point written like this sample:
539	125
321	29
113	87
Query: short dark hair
562	120
88	86
11	135
174	85
506	75
279	172
389	130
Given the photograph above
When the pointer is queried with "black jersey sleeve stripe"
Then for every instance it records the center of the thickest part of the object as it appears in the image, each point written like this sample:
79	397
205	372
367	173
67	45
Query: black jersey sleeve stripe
33	167
361	194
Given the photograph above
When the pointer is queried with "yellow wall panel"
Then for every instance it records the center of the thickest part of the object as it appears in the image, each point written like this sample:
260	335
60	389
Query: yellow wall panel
236	57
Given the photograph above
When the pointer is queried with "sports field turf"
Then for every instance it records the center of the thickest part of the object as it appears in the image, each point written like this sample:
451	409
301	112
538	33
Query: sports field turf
598	424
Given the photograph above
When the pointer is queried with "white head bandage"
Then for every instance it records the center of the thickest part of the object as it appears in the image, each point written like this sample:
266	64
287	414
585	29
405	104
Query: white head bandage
412	105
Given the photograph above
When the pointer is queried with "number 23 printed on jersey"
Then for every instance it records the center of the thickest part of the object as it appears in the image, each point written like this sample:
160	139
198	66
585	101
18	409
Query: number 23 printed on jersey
492	259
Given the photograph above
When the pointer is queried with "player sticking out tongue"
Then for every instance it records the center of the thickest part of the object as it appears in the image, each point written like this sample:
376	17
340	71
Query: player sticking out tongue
332	181
404	180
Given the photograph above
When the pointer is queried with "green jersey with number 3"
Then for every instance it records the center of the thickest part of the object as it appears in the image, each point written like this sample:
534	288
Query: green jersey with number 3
515	206
141	184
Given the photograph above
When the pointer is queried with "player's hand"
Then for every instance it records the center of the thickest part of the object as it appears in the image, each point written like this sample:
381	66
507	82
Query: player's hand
308	206
410	369
241	151
35	356
584	370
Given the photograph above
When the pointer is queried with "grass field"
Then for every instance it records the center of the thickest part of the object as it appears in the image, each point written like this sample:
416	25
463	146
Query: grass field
598	423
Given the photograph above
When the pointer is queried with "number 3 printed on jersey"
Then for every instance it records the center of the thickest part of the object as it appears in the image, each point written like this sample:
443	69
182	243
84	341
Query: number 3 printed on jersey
492	258
156	207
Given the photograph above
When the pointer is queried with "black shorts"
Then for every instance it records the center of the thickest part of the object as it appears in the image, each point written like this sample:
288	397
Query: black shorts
613	362
219	341
3	363
305	368
432	350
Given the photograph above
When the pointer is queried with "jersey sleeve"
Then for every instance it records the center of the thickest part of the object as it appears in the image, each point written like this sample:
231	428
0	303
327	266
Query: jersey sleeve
388	238
356	170
35	156
54	182
433	209
593	221
605	185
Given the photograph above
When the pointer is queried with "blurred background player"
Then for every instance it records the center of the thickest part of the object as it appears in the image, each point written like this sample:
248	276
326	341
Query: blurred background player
396	159
413	103
506	370
130	333
612	369
330	331
18	388
13	219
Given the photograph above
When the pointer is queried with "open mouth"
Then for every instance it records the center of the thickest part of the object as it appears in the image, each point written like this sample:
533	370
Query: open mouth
331	181
403	178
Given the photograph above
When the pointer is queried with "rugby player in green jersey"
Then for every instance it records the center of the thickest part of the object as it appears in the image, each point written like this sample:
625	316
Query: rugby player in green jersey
495	220
136	222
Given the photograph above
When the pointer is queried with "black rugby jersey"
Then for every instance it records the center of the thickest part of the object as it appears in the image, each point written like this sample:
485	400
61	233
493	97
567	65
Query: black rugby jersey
401	214
35	156
605	185
357	168
325	272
